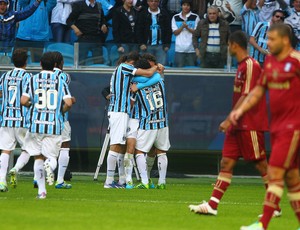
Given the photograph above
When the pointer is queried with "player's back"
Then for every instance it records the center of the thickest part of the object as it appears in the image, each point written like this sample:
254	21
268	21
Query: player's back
13	113
153	107
46	91
120	88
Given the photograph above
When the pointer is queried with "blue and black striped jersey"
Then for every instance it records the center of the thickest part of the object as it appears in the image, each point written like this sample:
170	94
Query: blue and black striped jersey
153	107
12	112
120	88
66	77
46	91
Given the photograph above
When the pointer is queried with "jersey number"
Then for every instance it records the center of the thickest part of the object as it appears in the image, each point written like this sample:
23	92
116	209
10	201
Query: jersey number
155	100
12	89
46	99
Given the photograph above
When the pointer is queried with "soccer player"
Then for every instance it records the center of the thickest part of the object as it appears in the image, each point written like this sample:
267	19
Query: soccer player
13	123
281	77
47	95
247	138
118	115
153	129
63	159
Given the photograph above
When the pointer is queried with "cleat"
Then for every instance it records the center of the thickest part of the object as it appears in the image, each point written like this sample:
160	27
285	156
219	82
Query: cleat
129	185
151	184
114	185
41	196
13	177
255	226
3	187
203	208
161	186
63	185
141	186
35	185
276	213
49	174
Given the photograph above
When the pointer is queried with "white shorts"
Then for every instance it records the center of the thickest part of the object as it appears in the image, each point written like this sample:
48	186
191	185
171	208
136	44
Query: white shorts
66	132
45	144
147	138
133	126
10	137
118	123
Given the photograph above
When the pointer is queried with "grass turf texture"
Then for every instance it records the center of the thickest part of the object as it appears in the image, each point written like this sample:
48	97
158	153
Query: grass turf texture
89	206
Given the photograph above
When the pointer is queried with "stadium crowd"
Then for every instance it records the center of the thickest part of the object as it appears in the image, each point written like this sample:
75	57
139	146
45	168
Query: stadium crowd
180	33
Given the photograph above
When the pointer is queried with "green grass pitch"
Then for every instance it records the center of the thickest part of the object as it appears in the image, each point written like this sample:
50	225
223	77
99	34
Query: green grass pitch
89	206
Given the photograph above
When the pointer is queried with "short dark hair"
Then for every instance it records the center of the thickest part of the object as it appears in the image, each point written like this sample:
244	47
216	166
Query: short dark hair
19	57
240	38
58	59
283	30
190	2
47	61
142	64
132	56
278	11
149	57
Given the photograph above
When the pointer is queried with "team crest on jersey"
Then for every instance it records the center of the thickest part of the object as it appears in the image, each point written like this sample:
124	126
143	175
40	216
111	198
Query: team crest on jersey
287	67
239	75
269	65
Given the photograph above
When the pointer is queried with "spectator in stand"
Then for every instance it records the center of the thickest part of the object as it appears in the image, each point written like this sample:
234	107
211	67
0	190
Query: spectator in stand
88	22
9	19
153	30
35	30
250	15
183	26
270	6
200	7
294	20
258	39
214	32
236	6
124	20
60	31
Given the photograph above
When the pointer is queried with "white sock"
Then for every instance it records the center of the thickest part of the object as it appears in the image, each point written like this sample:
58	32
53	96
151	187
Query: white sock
128	171
52	162
162	164
63	162
4	160
39	175
141	164
22	160
111	166
150	163
121	169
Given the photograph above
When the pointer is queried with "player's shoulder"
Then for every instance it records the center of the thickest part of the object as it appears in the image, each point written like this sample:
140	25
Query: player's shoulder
295	54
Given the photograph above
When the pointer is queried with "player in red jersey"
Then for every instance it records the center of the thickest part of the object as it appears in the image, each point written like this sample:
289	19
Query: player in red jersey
281	77
247	138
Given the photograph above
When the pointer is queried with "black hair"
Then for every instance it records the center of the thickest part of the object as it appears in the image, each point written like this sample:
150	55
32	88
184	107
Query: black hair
278	11
149	57
190	2
132	56
240	38
47	61
19	57
142	64
58	59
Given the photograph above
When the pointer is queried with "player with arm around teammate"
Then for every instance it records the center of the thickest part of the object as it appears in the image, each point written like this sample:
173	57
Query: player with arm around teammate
247	138
118	115
153	129
48	97
13	123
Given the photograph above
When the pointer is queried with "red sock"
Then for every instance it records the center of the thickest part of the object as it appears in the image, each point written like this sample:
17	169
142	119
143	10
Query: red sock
272	199
223	181
294	197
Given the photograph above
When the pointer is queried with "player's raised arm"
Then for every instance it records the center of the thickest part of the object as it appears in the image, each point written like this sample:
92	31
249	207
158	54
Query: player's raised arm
250	101
146	72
